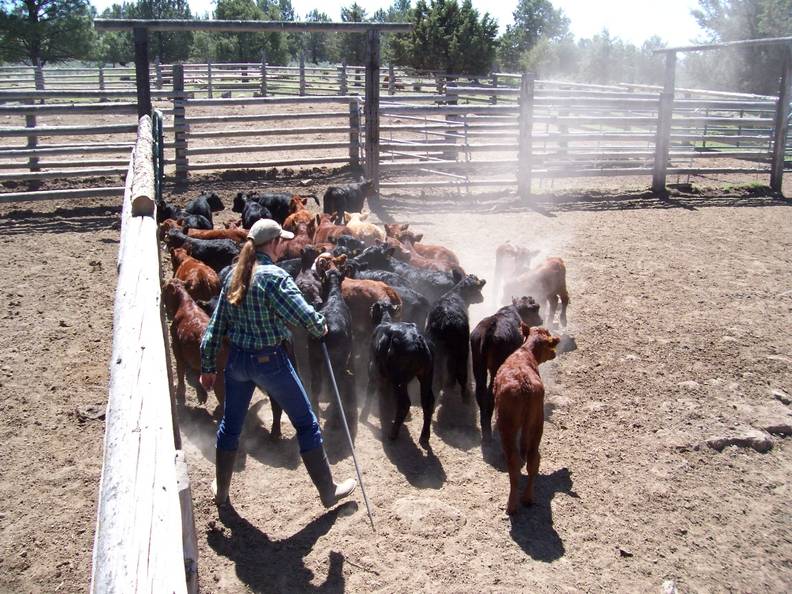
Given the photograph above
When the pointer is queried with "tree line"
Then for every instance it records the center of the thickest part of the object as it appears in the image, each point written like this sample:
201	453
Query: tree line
447	36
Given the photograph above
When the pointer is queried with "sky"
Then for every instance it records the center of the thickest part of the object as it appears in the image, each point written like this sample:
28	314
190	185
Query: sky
631	20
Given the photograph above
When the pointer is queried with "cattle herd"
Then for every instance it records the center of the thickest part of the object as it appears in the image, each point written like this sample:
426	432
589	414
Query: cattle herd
396	310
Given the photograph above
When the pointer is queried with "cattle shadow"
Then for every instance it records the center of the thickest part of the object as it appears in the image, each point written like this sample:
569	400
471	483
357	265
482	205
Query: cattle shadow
422	469
455	420
532	527
267	565
394	207
78	219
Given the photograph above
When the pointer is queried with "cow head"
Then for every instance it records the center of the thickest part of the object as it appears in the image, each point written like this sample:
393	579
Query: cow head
376	257
470	287
311	287
214	202
173	294
383	311
393	230
308	256
541	343
239	202
528	310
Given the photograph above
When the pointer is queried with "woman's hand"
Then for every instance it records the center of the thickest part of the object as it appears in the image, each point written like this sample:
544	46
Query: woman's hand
208	380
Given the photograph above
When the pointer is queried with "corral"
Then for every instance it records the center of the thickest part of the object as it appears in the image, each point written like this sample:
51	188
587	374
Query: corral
652	471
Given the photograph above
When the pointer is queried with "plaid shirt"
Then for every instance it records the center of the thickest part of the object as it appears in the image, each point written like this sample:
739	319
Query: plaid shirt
272	301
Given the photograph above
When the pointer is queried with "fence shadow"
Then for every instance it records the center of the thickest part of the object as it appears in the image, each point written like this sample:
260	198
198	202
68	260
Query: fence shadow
532	527
395	206
77	219
267	565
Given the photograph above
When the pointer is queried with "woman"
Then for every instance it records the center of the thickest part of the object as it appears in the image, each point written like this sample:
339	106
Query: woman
253	310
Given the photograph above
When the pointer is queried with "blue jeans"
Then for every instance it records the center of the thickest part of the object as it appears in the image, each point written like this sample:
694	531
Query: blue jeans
270	370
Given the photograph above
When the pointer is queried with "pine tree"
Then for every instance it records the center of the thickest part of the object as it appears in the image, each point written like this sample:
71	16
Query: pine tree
44	31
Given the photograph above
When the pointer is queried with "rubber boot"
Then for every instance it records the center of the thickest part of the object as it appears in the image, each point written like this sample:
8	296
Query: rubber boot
224	471
318	468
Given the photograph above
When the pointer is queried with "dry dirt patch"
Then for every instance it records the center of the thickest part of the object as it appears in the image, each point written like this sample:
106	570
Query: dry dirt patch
680	310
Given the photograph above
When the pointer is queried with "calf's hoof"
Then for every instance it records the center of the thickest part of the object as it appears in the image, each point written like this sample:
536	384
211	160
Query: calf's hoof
276	433
423	441
511	506
527	499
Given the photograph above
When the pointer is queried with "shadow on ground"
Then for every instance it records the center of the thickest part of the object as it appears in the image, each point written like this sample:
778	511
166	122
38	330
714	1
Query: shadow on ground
548	204
78	219
267	565
532	527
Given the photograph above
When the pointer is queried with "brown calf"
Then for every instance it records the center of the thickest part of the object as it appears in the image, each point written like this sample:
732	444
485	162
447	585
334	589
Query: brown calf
326	229
442	255
545	283
292	248
237	234
187	328
519	405
200	280
510	260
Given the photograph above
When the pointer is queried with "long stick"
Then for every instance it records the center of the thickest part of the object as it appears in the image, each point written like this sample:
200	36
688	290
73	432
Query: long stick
346	428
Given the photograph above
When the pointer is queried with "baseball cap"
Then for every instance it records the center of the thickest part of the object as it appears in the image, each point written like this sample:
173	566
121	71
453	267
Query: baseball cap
265	230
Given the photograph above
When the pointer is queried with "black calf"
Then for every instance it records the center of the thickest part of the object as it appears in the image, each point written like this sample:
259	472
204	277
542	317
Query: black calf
400	353
349	198
491	342
448	328
217	253
205	205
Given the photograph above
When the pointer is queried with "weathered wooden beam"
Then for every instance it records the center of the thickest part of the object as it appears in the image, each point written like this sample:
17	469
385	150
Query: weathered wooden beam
781	124
179	125
246	26
138	544
664	116
372	108
354	134
526	129
142	83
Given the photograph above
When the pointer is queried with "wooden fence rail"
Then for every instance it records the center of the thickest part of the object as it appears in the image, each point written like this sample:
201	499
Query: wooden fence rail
139	544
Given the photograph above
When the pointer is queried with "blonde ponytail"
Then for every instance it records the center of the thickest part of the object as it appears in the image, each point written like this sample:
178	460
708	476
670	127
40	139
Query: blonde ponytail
243	272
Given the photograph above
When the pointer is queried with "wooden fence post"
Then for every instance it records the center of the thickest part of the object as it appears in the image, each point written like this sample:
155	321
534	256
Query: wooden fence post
32	141
179	125
263	88
391	79
209	88
525	160
302	73
38	77
372	108
494	98
158	72
342	79
354	134
102	81
664	114
451	154
189	537
781	126
140	35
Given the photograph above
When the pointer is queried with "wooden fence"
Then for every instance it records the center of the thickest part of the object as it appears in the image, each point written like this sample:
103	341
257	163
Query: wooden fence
217	79
502	130
145	535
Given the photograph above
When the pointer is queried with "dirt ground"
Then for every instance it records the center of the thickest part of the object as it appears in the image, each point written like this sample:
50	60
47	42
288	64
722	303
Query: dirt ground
680	310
